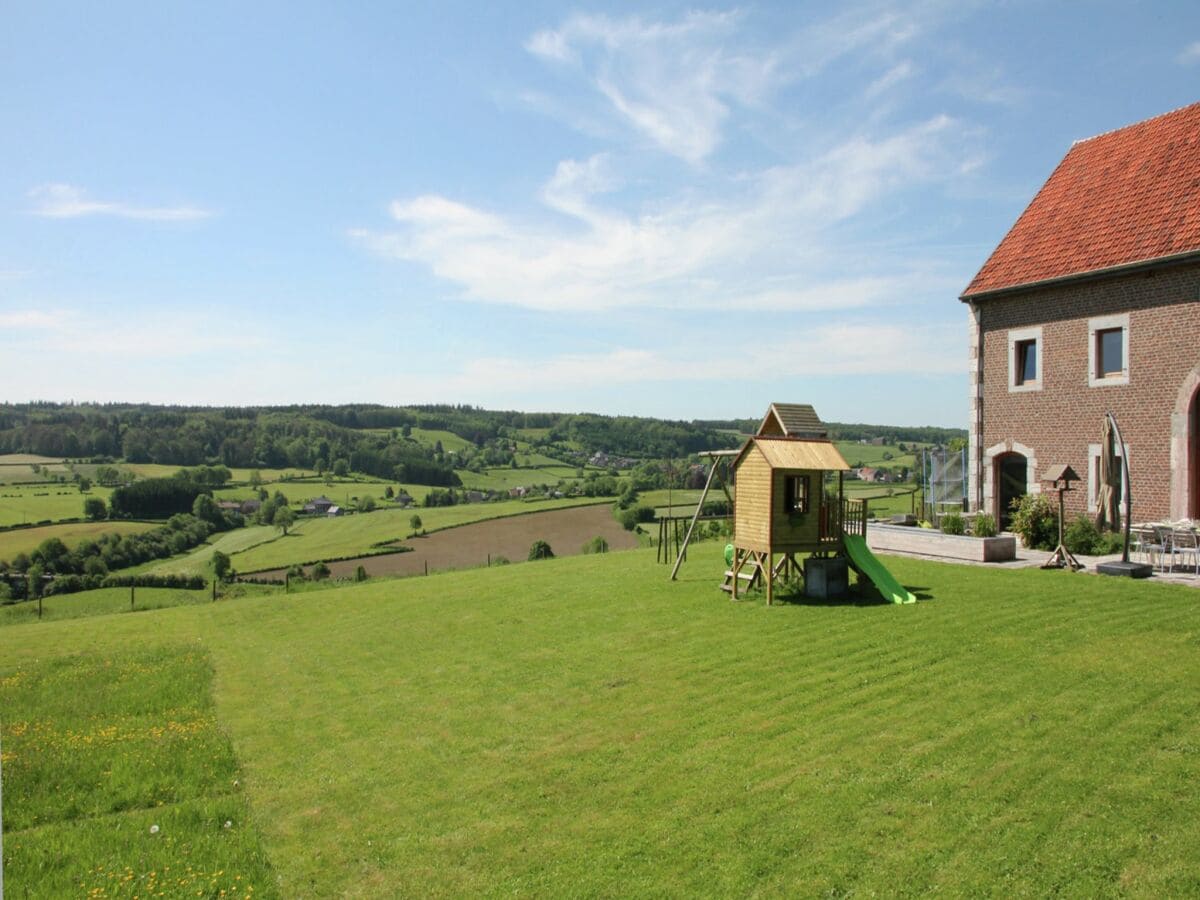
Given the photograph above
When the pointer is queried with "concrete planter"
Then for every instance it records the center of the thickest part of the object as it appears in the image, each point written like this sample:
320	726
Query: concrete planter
927	542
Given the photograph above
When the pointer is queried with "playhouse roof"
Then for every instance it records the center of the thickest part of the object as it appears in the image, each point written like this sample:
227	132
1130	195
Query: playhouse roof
793	420
797	453
1125	198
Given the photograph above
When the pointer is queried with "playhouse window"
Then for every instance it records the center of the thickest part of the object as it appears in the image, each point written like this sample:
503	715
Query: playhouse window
795	494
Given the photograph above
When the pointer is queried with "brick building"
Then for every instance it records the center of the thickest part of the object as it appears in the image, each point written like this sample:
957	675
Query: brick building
1091	304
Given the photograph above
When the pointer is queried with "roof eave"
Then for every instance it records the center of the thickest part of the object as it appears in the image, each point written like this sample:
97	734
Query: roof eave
1090	275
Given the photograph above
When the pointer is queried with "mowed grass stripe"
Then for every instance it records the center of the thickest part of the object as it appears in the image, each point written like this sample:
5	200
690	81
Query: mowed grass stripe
584	726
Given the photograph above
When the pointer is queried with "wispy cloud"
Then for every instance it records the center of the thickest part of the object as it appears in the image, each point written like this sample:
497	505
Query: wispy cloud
889	79
1190	55
32	319
671	81
65	201
758	242
157	335
841	347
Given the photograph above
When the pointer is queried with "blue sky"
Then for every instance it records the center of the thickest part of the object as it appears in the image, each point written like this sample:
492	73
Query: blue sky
668	210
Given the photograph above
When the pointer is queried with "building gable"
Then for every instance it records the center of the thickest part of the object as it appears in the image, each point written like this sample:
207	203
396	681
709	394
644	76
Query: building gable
1125	198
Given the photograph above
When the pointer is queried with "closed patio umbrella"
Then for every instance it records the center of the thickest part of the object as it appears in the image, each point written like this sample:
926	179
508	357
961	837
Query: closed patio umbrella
1107	498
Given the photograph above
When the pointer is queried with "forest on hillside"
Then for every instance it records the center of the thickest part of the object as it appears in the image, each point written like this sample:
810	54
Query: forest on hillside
367	438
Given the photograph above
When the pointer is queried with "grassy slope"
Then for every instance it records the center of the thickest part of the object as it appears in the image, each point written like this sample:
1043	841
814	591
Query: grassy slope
24	540
101	602
199	560
582	726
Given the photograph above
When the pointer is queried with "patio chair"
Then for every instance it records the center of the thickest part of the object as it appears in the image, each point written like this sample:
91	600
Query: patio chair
1145	540
1184	542
1163	535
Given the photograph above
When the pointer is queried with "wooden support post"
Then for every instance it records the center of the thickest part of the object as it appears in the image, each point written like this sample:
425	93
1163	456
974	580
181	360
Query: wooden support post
769	575
696	515
735	568
426	567
214	590
287	582
131	590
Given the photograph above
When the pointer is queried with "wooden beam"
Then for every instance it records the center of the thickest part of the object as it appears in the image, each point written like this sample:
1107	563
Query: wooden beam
699	507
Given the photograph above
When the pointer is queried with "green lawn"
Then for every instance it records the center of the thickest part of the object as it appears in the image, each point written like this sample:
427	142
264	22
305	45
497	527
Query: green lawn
21	503
585	727
344	536
119	781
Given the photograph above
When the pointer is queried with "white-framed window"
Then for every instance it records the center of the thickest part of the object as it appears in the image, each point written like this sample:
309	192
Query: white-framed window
1108	350
1093	476
1025	359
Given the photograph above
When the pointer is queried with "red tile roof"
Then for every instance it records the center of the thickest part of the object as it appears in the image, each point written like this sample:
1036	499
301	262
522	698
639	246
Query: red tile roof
1127	196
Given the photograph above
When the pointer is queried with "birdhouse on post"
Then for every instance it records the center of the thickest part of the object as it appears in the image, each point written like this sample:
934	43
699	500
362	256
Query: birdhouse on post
1061	478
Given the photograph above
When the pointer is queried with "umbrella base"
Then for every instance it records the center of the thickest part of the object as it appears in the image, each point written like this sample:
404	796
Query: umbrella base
1125	569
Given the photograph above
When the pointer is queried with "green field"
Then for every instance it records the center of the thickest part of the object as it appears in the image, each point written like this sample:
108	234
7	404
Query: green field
344	536
21	503
503	478
199	560
101	602
25	540
450	441
873	454
584	727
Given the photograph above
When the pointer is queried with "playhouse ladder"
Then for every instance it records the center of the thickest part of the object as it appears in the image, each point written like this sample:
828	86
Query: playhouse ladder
748	567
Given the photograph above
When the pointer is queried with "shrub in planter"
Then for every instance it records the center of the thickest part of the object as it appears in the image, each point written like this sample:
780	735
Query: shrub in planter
984	526
952	523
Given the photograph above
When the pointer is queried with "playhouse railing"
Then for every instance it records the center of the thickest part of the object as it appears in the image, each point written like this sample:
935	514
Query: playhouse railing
854	517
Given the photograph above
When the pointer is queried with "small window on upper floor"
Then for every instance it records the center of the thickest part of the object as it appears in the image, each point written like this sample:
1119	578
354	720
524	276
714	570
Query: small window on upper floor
1027	369
1109	342
1108	350
1025	359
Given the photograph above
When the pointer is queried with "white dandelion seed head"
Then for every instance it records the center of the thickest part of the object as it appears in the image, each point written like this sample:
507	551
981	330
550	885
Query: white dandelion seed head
154	829
228	823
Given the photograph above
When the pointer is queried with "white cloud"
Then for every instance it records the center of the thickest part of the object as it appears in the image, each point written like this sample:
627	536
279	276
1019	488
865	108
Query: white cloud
167	334
889	79
64	201
1190	55
843	347
672	82
31	319
759	242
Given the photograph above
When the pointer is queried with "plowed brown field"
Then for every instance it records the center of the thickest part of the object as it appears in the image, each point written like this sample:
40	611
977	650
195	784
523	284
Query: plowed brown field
566	530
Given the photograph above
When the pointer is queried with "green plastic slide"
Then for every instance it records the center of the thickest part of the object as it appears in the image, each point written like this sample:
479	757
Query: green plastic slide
868	564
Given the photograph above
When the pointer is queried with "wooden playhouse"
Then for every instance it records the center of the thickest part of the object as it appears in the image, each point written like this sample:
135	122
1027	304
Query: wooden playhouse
788	499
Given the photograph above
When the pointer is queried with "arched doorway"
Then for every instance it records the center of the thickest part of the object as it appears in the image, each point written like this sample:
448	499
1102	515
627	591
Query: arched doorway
1194	455
1012	470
